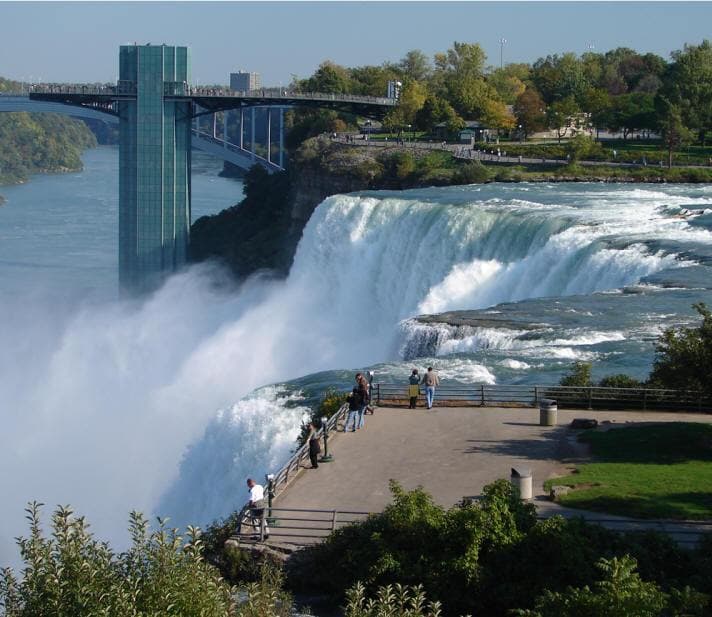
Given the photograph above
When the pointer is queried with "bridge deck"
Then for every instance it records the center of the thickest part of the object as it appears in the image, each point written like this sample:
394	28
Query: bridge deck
452	452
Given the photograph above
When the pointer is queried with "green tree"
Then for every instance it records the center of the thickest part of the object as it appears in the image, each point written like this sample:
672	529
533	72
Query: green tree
684	356
415	65
688	84
329	78
434	111
632	112
582	147
561	115
619	381
412	99
621	593
672	130
579	375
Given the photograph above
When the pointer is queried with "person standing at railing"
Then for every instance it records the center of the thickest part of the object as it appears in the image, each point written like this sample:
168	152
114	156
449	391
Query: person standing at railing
430	380
363	391
413	388
354	399
314	446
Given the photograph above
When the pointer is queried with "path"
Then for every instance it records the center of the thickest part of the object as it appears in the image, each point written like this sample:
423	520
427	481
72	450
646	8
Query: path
453	453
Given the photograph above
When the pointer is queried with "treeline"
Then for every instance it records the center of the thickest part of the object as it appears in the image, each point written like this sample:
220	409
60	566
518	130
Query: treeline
33	143
620	90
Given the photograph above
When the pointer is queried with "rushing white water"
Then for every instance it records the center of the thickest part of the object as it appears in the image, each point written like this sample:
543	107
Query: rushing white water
105	401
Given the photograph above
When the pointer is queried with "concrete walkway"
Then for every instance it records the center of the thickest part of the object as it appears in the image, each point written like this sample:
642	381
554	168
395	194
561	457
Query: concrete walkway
453	452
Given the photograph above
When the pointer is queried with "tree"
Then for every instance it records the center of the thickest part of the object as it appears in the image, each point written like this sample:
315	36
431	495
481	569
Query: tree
597	103
412	99
561	115
672	130
415	65
559	77
632	112
684	356
434	111
509	81
329	78
529	112
688	84
579	375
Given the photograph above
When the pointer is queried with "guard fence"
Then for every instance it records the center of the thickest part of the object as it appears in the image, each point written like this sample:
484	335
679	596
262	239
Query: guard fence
483	395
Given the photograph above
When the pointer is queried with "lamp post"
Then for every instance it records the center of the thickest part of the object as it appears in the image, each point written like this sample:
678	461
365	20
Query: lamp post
411	132
327	458
270	496
520	133
502	43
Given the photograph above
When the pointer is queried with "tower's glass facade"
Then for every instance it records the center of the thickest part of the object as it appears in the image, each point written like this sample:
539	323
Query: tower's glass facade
154	164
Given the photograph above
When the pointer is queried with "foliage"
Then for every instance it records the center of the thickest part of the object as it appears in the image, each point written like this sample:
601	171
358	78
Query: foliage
266	597
659	471
33	143
390	601
560	115
529	111
415	541
581	147
472	173
672	130
72	573
619	381
620	593
579	375
684	356
331	402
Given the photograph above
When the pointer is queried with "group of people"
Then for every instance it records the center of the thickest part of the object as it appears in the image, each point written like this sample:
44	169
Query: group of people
358	401
430	381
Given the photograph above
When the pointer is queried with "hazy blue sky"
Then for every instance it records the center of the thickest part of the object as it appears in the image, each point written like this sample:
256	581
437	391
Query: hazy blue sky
78	41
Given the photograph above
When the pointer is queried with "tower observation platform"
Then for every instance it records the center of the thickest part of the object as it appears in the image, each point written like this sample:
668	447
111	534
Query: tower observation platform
156	108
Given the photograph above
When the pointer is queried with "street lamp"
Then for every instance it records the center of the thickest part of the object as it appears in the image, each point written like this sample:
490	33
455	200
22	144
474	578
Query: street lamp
327	458
411	132
270	496
502	43
520	133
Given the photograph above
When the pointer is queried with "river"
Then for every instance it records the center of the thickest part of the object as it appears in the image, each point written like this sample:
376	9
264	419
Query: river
166	405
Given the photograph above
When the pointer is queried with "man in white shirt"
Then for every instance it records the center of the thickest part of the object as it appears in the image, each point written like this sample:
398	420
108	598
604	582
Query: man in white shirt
257	505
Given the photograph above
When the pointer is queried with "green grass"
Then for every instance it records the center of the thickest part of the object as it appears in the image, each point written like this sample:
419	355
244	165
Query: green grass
659	471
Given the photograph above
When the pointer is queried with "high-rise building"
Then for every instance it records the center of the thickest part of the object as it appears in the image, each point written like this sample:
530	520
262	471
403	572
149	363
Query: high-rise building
154	164
245	81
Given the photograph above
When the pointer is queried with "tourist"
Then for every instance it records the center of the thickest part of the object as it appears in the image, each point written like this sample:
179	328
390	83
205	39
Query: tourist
363	391
354	401
256	504
413	388
314	446
430	379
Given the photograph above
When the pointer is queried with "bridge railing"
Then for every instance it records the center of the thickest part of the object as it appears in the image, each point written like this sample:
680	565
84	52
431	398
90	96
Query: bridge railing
290	469
592	397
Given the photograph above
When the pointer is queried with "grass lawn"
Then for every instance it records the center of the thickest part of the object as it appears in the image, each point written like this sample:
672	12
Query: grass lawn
659	471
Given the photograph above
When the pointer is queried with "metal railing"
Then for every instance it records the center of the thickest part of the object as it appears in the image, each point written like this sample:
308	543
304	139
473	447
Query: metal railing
594	397
290	469
299	526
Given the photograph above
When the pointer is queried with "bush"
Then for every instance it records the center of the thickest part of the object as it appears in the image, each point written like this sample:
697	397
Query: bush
579	375
71	573
684	356
395	601
472	173
620	381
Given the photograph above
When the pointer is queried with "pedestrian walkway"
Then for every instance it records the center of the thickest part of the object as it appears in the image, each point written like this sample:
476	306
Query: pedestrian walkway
453	452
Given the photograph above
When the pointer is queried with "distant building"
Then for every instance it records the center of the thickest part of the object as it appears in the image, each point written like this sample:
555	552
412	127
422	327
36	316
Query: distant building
394	88
245	81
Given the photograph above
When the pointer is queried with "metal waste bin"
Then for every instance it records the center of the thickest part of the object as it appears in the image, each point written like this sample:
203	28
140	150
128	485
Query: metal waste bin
547	412
521	479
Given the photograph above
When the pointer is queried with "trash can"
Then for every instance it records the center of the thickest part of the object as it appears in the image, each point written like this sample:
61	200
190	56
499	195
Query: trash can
547	412
521	479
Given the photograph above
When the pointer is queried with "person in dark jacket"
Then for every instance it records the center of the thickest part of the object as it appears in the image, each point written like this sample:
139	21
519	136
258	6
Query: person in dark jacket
363	389
314	446
355	403
413	388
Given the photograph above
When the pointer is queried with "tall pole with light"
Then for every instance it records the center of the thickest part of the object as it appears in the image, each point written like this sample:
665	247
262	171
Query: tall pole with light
327	458
502	43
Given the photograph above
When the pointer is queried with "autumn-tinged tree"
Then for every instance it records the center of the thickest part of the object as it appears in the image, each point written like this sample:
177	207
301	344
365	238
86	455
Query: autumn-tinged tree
673	131
529	112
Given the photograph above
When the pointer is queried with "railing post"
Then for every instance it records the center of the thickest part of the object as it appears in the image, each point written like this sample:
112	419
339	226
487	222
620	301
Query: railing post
536	395
645	399
333	520
378	394
482	395
262	526
590	398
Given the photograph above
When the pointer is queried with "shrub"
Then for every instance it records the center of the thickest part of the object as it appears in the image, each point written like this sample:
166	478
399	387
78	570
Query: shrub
472	173
579	375
395	601
684	356
619	381
71	573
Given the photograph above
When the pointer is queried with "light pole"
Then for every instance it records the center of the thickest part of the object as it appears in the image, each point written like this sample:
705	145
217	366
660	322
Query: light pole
270	496
327	458
411	132
502	43
520	133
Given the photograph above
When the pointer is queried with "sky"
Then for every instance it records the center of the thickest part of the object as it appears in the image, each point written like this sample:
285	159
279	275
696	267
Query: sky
78	41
